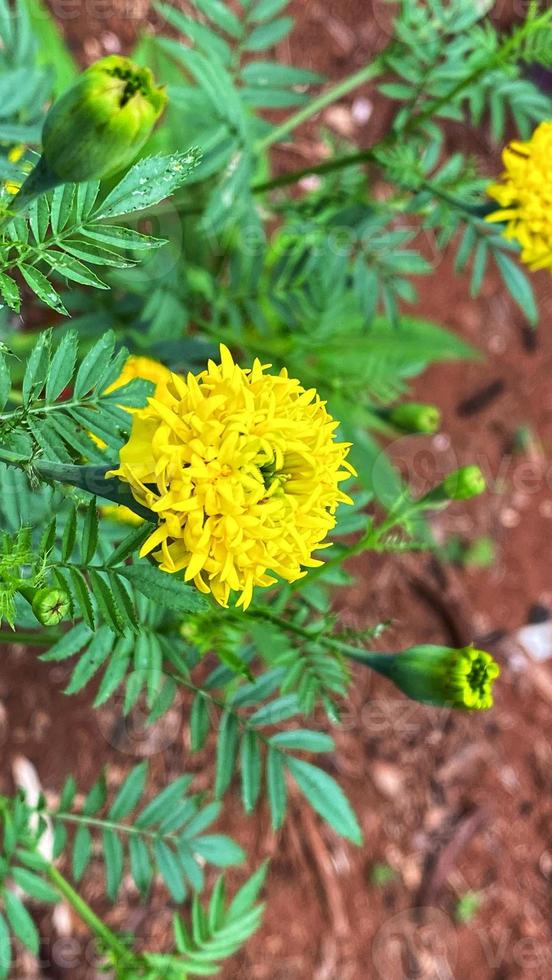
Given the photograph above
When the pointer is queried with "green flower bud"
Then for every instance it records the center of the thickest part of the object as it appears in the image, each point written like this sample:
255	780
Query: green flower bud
50	605
100	124
440	675
415	417
464	483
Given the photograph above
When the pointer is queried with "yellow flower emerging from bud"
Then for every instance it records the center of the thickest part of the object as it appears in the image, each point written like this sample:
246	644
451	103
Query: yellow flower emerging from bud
100	124
243	470
441	676
525	197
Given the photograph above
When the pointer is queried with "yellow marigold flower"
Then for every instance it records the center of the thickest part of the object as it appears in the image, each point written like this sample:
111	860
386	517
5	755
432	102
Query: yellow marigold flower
243	471
524	194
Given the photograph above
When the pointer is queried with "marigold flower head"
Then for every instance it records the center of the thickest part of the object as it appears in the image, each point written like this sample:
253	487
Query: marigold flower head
242	470
524	194
459	678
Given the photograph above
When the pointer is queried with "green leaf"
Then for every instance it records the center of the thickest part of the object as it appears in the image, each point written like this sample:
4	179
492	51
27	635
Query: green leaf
199	722
326	797
219	849
130	544
62	366
129	793
94	364
96	797
89	540
227	747
43	288
140	864
148	182
69	644
169	869
303	739
37	369
5	949
5	381
20	922
162	804
266	9
9	291
121	237
34	886
115	671
250	757
114	862
82	851
221	15
162	588
272	73
267	35
276	711
276	786
80	588
518	285
91	661
60	209
246	897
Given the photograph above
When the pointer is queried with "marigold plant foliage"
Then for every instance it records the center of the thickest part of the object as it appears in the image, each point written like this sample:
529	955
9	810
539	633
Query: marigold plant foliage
524	194
242	469
173	462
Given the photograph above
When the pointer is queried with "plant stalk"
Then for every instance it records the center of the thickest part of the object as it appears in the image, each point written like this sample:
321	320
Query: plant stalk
332	94
108	938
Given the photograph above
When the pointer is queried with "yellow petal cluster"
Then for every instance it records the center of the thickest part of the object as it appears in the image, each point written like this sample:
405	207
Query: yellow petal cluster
242	470
524	194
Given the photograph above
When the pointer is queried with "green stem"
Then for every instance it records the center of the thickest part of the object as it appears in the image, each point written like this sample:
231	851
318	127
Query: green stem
332	94
83	910
328	166
40	179
31	639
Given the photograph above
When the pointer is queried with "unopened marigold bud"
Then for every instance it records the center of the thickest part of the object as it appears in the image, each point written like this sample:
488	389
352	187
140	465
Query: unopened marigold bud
415	417
464	483
457	678
100	124
50	605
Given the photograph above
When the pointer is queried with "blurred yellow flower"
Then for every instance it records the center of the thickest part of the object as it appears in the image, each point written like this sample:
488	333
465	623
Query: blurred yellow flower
121	514
137	366
243	470
14	156
524	194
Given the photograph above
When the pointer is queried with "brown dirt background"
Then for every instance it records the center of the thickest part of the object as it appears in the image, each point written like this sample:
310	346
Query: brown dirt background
451	803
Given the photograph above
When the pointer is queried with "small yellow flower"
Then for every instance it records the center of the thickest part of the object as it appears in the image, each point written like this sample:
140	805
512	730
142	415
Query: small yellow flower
243	470
14	156
121	514
524	194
